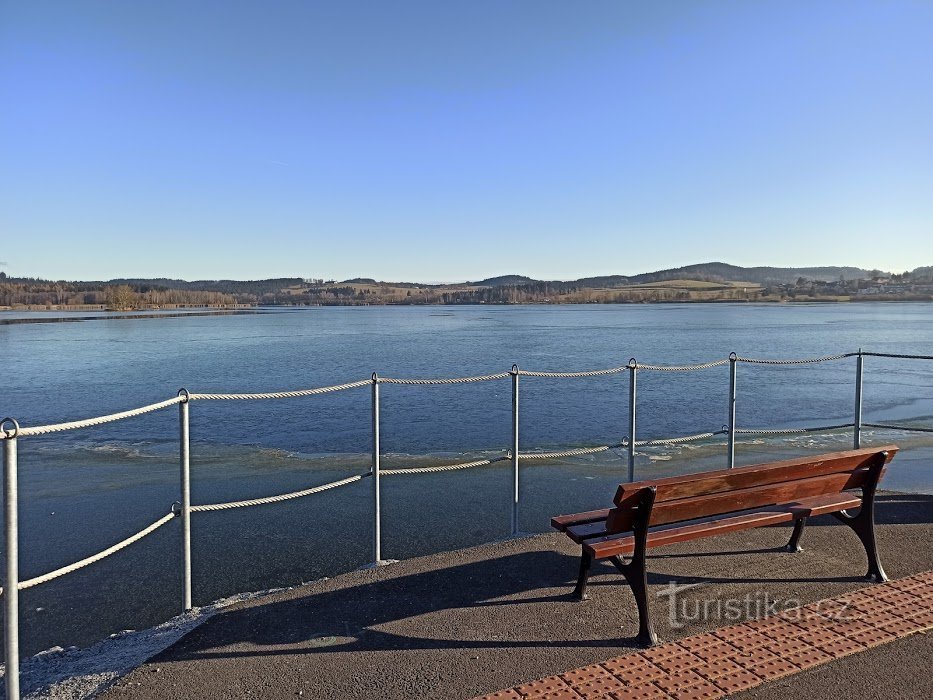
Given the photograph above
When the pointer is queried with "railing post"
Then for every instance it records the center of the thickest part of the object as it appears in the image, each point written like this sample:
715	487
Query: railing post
632	382
733	362
377	507
11	588
857	430
515	465
184	456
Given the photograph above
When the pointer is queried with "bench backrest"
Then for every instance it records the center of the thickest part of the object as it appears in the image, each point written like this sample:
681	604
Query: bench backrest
724	491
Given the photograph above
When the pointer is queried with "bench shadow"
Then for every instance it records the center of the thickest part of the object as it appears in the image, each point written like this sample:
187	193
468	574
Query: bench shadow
893	509
346	620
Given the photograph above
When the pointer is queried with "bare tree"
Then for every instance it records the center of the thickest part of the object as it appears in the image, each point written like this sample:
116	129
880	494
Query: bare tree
121	297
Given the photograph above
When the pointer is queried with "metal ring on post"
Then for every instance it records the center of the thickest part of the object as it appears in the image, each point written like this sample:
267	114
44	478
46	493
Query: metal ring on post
7	433
176	509
632	364
375	378
733	357
514	369
184	392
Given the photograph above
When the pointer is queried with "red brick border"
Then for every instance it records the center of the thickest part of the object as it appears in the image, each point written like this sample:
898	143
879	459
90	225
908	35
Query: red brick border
738	657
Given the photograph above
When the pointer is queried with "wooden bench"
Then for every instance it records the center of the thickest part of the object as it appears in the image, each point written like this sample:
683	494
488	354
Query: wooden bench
675	509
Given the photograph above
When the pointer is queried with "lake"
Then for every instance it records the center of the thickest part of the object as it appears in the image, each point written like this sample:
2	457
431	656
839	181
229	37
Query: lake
81	491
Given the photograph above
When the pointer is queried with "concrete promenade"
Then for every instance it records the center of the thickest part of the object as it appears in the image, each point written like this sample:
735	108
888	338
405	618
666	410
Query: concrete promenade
474	621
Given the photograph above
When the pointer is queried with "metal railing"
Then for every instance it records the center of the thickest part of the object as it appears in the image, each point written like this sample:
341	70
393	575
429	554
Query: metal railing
11	433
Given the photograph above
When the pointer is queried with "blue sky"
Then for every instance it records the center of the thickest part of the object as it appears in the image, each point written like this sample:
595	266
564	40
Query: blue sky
451	141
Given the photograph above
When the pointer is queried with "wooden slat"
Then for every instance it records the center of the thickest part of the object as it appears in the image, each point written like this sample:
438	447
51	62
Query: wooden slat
603	548
706	483
562	522
621	519
585	531
597	530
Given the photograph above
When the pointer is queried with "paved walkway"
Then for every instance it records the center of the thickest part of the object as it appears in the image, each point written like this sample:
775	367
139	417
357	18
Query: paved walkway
466	623
739	657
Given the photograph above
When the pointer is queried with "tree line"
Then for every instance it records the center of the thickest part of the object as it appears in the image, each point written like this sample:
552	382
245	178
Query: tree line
34	292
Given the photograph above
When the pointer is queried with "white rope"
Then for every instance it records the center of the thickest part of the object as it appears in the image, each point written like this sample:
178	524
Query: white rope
592	373
96	557
279	498
443	468
677	440
280	394
682	368
453	380
791	431
809	361
568	453
59	427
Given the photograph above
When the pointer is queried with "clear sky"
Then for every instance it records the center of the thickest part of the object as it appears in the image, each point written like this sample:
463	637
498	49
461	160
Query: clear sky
445	141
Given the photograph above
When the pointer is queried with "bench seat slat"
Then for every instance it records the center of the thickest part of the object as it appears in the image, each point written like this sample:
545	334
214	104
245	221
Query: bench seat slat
594	530
605	547
562	522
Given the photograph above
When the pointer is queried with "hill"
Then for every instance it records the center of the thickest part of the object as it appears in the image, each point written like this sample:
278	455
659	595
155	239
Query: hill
713	281
503	281
719	271
703	272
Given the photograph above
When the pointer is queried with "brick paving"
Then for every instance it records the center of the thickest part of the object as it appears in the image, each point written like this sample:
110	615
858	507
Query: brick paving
738	657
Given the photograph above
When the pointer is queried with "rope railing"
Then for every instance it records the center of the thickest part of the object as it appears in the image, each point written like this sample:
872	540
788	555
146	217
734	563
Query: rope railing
445	467
45	578
897	356
793	431
8	433
572	375
577	452
679	440
10	430
889	426
683	368
18	432
212	507
451	380
280	394
529	456
279	498
805	361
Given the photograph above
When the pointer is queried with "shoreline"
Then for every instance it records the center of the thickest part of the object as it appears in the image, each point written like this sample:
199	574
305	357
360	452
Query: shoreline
657	302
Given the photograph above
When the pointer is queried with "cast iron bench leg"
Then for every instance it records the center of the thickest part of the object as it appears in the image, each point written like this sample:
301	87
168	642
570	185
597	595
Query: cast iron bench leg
863	524
794	544
586	560
636	573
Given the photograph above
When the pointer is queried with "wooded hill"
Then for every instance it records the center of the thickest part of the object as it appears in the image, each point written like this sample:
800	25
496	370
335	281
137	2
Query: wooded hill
704	282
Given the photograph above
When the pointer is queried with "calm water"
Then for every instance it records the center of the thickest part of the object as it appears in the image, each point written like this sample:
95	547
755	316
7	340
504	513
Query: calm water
83	490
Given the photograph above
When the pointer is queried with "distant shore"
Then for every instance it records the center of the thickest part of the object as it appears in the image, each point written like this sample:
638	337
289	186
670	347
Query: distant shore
120	315
220	308
104	307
